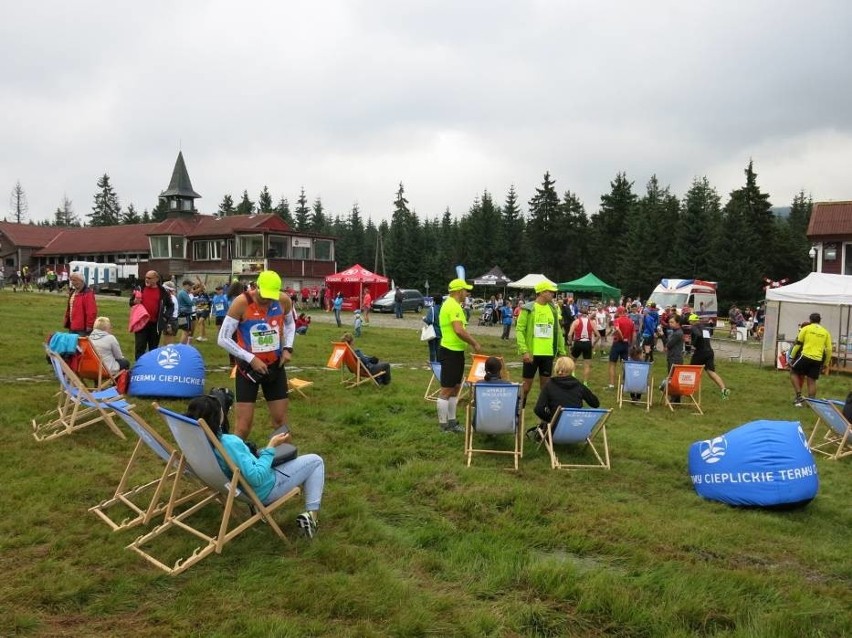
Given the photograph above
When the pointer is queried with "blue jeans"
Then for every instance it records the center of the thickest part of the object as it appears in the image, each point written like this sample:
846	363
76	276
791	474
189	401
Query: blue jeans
397	308
307	470
337	317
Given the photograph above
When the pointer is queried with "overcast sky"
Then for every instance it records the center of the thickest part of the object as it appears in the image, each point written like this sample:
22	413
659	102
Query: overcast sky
349	98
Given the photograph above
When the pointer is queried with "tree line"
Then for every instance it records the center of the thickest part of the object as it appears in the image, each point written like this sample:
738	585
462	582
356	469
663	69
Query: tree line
632	241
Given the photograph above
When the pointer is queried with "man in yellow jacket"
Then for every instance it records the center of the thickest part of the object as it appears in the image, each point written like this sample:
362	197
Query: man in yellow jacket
809	356
539	336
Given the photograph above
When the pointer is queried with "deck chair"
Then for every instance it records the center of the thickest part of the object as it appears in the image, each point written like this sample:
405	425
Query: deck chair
635	378
77	405
432	393
495	409
578	426
477	373
836	441
343	358
129	496
683	381
90	367
298	386
197	444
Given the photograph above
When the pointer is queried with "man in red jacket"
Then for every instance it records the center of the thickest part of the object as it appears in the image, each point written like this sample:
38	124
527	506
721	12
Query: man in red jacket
82	309
622	338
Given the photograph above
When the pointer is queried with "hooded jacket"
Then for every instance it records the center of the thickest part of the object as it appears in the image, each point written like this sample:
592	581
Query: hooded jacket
565	392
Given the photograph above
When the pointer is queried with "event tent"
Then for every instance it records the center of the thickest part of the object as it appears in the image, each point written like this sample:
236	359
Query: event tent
529	281
493	277
788	306
352	282
590	283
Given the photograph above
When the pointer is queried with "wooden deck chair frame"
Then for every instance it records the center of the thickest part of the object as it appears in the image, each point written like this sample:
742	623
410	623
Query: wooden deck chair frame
495	409
90	367
635	377
77	405
685	381
129	496
836	441
196	444
578	426
343	357
432	394
298	386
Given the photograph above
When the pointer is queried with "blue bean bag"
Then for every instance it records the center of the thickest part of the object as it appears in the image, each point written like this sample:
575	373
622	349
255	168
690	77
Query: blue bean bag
759	464
173	371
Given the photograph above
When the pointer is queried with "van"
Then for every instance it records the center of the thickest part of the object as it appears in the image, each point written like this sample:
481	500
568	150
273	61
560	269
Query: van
699	295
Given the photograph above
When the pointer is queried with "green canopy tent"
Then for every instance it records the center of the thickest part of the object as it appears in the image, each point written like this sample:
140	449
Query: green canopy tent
590	283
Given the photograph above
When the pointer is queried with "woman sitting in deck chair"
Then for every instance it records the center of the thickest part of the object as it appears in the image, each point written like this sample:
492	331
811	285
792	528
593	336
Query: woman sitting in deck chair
562	391
269	483
371	363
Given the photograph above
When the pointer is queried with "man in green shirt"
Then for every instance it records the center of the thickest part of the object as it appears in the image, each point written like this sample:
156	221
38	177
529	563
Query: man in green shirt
809	356
454	340
539	336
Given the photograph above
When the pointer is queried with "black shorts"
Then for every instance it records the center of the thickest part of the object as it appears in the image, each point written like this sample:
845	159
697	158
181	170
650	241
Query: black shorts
704	358
542	363
274	386
649	340
618	351
582	348
452	367
805	367
219	320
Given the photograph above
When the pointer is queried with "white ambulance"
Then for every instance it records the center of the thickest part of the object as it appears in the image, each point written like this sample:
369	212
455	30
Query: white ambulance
698	295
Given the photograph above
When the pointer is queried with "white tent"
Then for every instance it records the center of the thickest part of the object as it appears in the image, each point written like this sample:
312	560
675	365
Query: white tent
530	281
788	306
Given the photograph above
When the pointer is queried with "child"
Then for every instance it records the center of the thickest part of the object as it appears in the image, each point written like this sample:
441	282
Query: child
358	323
221	303
493	370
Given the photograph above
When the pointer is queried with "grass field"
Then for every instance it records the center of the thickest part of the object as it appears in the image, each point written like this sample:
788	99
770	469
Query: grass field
412	542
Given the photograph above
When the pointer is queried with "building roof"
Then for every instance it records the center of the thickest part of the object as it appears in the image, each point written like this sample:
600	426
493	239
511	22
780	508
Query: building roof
28	235
198	225
180	185
830	219
98	240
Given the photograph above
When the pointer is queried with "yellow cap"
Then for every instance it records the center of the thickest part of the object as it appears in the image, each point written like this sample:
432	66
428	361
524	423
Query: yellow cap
459	284
545	286
269	284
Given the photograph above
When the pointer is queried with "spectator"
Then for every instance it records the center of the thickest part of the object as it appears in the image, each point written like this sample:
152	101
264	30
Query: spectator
397	303
563	391
507	316
186	311
171	329
431	318
303	322
371	363
622	338
810	355
493	370
338	306
368	304
357	323
81	309
220	305
107	346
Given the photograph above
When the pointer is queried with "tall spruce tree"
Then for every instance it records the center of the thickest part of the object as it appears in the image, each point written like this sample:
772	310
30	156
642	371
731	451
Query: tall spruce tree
402	247
106	210
696	236
303	212
130	216
543	242
609	227
64	215
792	259
319	221
514	262
282	209
483	233
264	201
226	206
246	206
160	211
576	258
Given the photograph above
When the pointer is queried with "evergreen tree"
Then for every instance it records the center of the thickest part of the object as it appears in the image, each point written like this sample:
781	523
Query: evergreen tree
303	212
264	201
161	210
107	209
246	206
64	215
130	216
544	241
760	219
449	248
696	236
319	222
792	259
18	203
226	207
371	259
351	247
402	248
609	225
483	233
514	261
283	211
576	258
146	217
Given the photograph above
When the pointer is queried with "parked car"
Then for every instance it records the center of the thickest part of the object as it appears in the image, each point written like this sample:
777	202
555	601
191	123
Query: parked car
412	300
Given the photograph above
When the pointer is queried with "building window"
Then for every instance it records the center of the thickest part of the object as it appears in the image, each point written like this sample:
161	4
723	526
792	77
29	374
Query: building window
830	253
173	204
847	259
323	249
278	247
249	246
159	247
178	247
301	247
207	250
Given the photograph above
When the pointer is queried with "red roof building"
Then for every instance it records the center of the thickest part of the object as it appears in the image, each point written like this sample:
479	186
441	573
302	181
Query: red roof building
830	232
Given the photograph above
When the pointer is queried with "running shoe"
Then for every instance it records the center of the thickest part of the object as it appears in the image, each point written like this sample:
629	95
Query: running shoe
307	524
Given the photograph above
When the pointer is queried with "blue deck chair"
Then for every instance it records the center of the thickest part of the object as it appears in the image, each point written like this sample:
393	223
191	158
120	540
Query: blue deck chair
636	378
836	441
578	426
495	409
196	444
77	405
128	496
435	380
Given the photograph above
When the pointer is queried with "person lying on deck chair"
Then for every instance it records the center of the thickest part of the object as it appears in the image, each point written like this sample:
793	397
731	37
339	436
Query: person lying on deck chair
371	363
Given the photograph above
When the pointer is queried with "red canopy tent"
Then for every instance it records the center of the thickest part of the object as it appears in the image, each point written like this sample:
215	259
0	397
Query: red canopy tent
353	282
